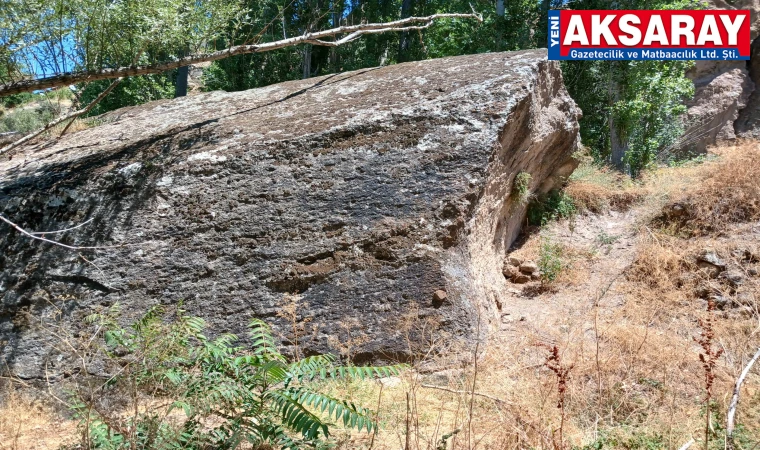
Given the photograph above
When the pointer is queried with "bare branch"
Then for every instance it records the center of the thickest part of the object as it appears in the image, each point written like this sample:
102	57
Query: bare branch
60	120
354	30
730	417
34	235
477	394
42	233
92	104
687	445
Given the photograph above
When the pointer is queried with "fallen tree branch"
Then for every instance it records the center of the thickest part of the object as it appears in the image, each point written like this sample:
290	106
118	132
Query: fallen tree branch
454	391
731	416
687	445
60	120
353	32
34	235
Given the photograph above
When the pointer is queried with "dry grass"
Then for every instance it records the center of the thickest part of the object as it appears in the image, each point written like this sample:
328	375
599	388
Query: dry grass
729	192
599	189
30	424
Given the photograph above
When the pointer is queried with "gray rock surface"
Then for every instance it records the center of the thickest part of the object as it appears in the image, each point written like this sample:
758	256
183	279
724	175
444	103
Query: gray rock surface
364	193
724	104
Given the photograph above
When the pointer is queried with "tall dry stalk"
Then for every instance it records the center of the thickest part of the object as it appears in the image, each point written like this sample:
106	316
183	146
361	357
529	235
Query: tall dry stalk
709	358
554	363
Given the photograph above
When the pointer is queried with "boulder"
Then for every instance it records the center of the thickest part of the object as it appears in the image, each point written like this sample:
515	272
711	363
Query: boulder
725	103
363	193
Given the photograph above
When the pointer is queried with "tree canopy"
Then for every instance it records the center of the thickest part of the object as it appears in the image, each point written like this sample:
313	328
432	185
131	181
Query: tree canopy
633	109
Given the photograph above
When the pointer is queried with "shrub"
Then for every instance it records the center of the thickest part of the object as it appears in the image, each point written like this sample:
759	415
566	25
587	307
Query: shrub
211	393
556	205
27	120
550	260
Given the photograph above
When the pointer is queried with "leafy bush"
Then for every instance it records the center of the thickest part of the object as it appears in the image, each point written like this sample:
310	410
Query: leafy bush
211	393
11	101
25	120
556	205
550	260
131	91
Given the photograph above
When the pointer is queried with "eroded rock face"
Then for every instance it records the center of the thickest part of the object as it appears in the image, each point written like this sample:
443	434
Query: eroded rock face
724	103
368	194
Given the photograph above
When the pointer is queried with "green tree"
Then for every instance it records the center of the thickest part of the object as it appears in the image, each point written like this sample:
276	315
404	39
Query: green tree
633	108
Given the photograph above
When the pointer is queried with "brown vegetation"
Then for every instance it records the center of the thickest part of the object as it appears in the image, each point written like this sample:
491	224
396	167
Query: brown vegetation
729	192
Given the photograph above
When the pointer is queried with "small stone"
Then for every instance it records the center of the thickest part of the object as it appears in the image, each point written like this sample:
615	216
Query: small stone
521	279
705	290
709	262
745	298
509	271
720	301
528	267
752	271
734	277
439	297
514	261
390	381
535	276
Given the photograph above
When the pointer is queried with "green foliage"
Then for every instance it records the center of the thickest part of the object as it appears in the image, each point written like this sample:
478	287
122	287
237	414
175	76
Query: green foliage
131	91
551	261
629	441
637	105
15	100
28	119
648	116
554	206
221	394
522	187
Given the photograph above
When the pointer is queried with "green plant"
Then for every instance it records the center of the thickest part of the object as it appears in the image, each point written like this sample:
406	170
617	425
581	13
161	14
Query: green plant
211	393
555	206
521	187
637	440
25	120
550	260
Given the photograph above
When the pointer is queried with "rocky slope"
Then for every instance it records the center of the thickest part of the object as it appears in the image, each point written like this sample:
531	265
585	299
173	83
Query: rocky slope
384	198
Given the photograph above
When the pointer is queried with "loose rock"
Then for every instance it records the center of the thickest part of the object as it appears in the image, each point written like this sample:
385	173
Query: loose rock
528	267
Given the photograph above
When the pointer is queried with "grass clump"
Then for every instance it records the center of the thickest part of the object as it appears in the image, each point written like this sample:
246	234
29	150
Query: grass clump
598	189
522	187
556	205
727	193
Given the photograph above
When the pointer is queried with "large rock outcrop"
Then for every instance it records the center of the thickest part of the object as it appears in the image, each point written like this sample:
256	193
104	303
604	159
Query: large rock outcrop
723	100
365	193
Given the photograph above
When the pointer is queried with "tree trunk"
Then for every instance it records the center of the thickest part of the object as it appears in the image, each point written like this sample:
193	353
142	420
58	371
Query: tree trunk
336	15
180	87
403	47
500	7
618	146
307	61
